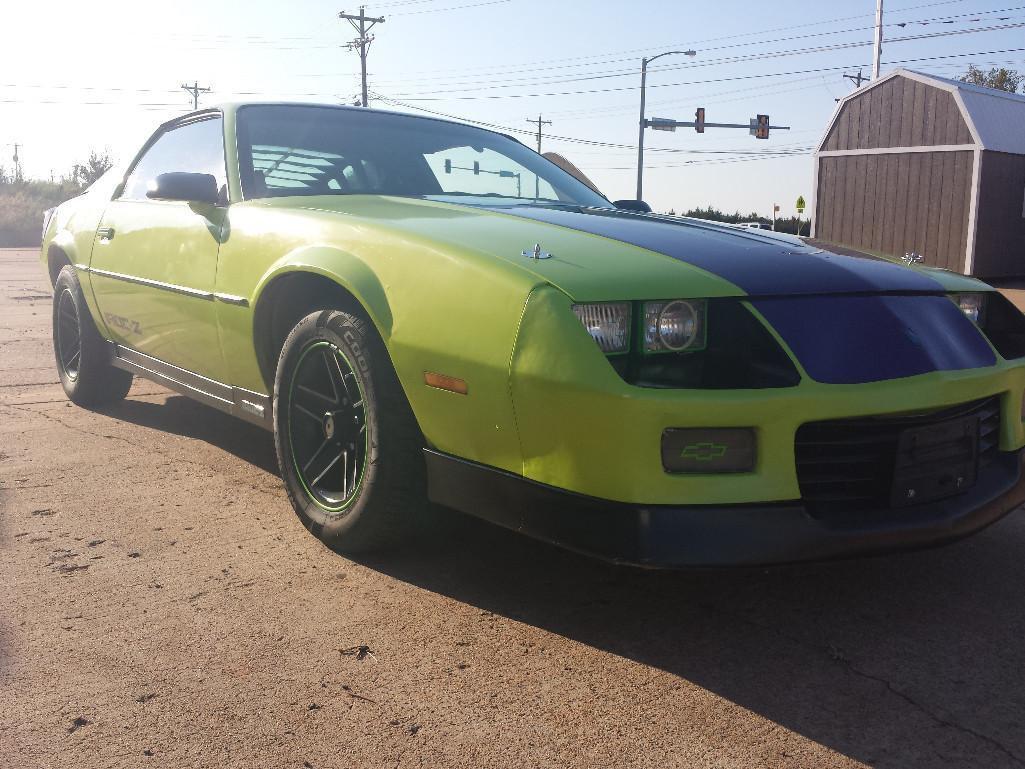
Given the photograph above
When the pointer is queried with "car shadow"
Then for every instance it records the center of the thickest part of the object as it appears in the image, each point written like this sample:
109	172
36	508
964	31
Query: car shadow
183	416
904	660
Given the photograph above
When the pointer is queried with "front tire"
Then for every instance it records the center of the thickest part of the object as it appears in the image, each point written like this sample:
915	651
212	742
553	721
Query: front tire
348	446
83	361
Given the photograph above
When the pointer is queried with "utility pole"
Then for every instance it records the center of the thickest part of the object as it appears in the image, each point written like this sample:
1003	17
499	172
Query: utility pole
877	51
540	123
195	90
17	163
857	79
362	43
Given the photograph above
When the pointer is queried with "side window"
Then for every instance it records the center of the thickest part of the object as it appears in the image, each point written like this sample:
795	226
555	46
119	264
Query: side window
194	147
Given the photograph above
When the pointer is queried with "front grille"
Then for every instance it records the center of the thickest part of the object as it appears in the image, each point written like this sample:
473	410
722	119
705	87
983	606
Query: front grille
848	465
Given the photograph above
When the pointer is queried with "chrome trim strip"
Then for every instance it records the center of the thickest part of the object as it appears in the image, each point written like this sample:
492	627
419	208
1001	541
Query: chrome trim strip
245	404
184	290
193	381
237	301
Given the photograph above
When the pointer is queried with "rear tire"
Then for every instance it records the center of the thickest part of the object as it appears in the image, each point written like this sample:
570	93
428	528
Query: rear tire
349	448
83	358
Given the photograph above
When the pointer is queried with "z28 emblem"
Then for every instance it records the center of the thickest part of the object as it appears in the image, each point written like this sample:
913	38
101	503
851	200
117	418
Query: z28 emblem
124	324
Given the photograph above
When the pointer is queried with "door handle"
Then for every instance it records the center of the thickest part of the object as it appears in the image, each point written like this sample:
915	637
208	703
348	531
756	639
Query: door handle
105	233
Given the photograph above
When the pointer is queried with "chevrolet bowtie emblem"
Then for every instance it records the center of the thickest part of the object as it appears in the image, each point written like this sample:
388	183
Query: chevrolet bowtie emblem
703	452
536	253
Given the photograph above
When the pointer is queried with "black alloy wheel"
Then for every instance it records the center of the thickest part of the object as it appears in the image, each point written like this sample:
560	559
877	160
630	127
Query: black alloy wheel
68	330
349	448
327	426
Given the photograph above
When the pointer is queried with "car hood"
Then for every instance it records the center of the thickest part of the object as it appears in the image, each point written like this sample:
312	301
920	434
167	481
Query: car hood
760	265
611	254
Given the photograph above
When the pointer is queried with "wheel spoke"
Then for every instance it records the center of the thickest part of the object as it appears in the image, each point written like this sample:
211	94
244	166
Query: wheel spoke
303	410
306	467
345	475
331	363
310	391
340	376
324	472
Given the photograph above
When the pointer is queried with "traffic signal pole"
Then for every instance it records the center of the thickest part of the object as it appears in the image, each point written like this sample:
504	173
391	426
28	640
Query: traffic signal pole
758	126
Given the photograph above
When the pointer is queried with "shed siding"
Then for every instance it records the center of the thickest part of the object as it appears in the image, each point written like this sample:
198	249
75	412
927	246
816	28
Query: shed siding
895	203
1000	237
898	113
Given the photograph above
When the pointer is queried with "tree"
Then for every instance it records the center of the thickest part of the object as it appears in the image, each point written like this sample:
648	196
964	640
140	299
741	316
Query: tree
1000	78
95	167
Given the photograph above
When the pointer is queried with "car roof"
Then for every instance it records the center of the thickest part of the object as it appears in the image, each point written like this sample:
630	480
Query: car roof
234	106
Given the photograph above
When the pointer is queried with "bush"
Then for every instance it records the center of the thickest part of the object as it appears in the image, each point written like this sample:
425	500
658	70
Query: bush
21	210
22	202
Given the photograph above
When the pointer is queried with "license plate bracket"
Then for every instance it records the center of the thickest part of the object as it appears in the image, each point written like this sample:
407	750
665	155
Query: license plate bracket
935	461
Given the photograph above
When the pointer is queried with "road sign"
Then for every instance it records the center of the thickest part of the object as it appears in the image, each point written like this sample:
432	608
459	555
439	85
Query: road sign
800	204
662	124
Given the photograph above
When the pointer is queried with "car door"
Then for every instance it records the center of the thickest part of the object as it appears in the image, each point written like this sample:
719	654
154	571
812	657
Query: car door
154	262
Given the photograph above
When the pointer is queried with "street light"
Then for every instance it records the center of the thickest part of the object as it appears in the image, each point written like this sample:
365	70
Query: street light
640	135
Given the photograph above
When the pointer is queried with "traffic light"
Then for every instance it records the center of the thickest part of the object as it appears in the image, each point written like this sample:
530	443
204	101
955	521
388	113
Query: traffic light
699	120
762	128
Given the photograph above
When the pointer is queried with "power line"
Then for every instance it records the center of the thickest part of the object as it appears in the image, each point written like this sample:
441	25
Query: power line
712	62
451	8
540	66
694	82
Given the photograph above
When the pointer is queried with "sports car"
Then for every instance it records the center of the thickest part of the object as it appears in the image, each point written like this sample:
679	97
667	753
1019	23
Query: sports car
424	310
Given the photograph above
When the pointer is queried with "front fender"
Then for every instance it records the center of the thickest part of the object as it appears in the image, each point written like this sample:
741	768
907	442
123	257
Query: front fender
345	269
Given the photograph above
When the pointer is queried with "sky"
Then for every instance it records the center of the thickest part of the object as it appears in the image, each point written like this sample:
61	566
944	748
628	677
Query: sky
102	75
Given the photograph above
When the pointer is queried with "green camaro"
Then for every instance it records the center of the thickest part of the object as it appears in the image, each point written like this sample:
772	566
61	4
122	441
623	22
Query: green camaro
420	309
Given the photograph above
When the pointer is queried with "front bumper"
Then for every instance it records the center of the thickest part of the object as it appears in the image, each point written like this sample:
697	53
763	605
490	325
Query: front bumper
667	536
581	428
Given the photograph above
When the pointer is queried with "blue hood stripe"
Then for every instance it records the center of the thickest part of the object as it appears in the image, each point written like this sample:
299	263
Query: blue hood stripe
857	339
759	265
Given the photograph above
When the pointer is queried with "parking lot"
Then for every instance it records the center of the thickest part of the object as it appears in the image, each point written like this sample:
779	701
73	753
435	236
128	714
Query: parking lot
161	605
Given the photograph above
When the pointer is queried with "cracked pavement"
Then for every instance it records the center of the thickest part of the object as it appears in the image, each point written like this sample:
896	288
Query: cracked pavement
160	605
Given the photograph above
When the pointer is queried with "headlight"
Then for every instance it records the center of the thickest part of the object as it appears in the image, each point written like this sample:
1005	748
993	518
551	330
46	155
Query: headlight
674	326
972	305
608	323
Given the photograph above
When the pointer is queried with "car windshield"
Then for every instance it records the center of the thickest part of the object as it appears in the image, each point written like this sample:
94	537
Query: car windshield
304	150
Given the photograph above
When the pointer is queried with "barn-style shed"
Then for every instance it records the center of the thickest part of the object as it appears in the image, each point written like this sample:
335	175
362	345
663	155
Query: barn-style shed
915	163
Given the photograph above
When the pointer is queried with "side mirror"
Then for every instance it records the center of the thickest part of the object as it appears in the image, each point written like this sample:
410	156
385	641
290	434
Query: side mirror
633	205
177	185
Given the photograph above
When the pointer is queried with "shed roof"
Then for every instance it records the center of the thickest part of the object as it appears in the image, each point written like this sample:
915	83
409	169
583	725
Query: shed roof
995	118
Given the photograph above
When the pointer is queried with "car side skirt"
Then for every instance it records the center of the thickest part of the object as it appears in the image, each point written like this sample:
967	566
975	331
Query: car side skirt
245	404
679	536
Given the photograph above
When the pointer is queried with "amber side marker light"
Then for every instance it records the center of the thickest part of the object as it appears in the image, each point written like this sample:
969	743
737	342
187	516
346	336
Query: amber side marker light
443	382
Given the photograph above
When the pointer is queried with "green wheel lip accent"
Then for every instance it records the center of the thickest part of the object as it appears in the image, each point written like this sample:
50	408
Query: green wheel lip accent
366	433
